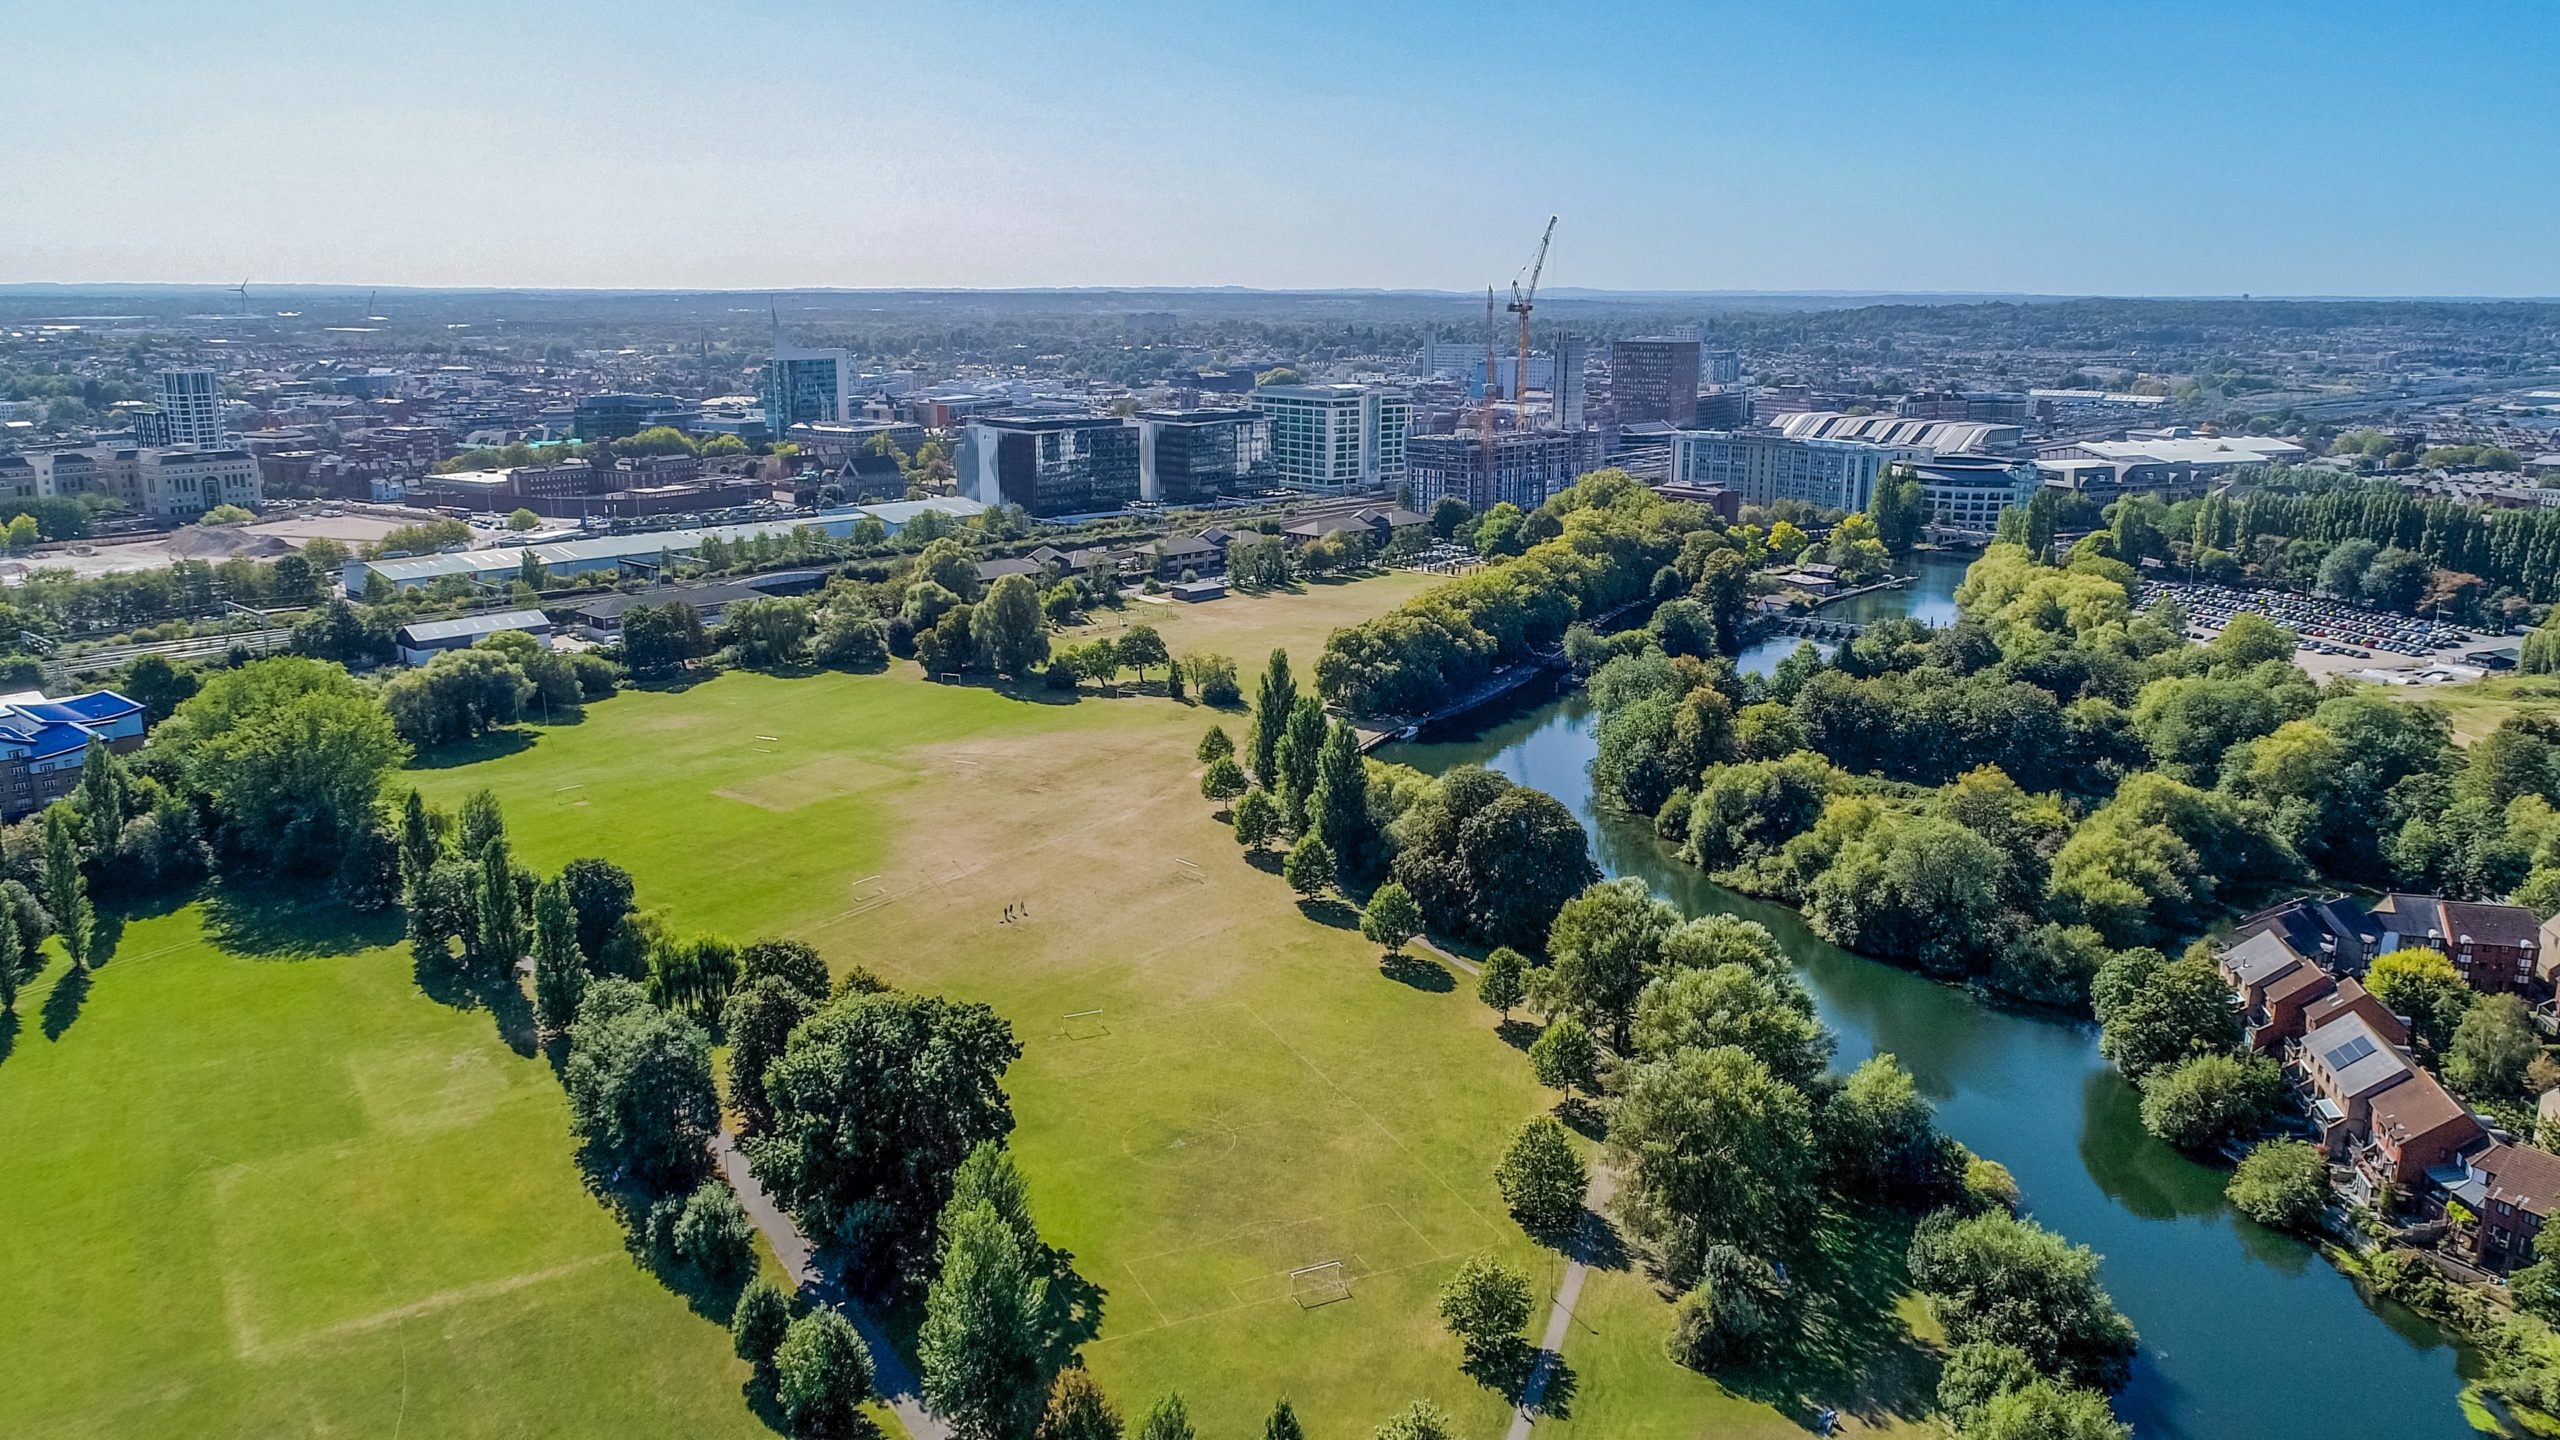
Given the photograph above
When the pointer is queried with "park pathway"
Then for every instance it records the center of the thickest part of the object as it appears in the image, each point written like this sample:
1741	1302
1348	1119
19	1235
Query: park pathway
1560	1316
890	1376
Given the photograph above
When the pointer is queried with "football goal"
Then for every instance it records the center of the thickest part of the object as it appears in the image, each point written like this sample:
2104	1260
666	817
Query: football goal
1315	1285
1083	1024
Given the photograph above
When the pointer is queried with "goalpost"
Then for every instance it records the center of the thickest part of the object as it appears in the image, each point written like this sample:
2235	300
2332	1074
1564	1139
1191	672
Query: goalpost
1084	1024
1321	1284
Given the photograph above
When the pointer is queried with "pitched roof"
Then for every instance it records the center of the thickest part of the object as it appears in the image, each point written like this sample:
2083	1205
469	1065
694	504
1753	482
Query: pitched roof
2412	917
2522	1176
2351	998
2258	959
2299	982
998	569
2313	926
427	632
2416	1106
2511	925
2356	1056
611	607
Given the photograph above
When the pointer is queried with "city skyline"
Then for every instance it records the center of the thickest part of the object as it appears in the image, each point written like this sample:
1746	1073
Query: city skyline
2166	150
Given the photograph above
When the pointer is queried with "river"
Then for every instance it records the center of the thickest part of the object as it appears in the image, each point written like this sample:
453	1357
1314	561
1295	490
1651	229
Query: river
2245	1332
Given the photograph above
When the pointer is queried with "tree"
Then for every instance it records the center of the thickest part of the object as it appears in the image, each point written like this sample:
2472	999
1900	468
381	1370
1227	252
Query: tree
1502	985
1391	918
1711	1149
1309	867
1542	1179
289	755
795	962
1976	1374
1272	705
2207	1101
104	795
1140	647
1077	1410
559	969
1449	515
1880	1140
1214	746
14	969
1301	751
1917	889
2491	1047
639	1084
768	632
1996	1277
521	518
2342	570
1421	1420
599	893
876	1101
2179	1010
66	891
1566	1057
1606	943
1484	1304
2047	1410
712	1234
982	1341
1488	860
1167	1420
759	1019
822	1374
2422	985
498	936
1283	1423
1011	634
1223	781
1257	819
2283	1184
758	1324
1338	806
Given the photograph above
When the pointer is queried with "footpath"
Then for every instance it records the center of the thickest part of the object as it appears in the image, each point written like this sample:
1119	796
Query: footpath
890	1376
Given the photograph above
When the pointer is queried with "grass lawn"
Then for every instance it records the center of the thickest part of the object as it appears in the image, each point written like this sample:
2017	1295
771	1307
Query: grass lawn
1257	1093
257	1184
2480	706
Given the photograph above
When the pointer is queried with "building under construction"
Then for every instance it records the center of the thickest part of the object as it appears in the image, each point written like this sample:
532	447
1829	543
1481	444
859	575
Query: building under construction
1526	466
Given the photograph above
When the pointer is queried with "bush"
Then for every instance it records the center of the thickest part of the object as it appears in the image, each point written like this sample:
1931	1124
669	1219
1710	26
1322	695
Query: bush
1215	677
2282	1184
1977	1374
1988	1185
713	1235
1729	1314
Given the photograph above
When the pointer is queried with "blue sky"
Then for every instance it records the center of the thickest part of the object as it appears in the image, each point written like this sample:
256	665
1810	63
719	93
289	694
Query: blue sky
2053	147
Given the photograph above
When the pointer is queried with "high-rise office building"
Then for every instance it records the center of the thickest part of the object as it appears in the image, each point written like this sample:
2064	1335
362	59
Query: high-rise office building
190	408
1050	464
1765	467
1336	438
1654	378
1186	456
1572	358
805	385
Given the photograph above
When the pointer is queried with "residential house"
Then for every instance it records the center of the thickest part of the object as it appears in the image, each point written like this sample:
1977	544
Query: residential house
2340	1067
2274	985
44	742
2351	998
2511	1191
2497	948
991	571
2411	1127
2334	931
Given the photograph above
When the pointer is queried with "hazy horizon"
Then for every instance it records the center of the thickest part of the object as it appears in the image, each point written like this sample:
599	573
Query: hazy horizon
2180	150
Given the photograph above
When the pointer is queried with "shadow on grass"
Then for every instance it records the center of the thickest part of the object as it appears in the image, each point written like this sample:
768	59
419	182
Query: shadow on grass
270	924
490	746
1851	1351
1507	1366
1266	861
63	1002
1419	972
1074	1317
1596	1242
8	1034
106	930
1325	910
1583	1116
446	980
1517	1033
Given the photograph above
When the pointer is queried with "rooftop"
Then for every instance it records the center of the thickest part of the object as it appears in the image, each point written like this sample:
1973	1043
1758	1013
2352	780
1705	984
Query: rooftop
429	632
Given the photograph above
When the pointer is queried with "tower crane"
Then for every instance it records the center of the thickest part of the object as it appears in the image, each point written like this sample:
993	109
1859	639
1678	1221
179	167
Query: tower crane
1521	301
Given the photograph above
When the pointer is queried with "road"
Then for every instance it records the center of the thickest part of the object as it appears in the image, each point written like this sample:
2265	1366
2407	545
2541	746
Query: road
890	1375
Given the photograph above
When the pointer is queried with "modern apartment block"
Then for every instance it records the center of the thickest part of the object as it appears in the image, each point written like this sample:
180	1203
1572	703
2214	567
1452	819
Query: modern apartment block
44	742
175	483
1528	466
190	408
1966	493
1333	439
1654	378
1187	456
801	385
1050	464
1764	467
1720	367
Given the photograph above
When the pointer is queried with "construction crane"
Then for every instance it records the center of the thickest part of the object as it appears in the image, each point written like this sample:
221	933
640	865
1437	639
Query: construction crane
1521	301
1484	408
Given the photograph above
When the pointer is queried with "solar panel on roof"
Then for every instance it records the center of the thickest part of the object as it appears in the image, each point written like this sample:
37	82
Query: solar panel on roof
2349	1053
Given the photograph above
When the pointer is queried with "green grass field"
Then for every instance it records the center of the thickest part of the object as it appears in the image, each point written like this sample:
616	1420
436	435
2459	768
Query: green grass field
294	1196
283	1193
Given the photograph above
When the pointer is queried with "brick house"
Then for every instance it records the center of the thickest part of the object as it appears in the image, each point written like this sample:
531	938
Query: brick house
2411	1127
2511	1191
2497	948
2274	986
